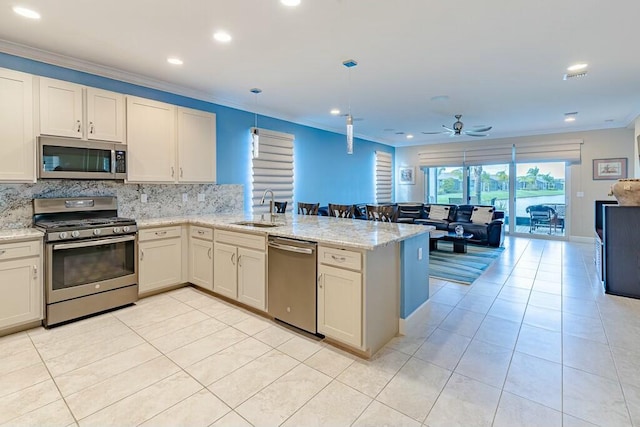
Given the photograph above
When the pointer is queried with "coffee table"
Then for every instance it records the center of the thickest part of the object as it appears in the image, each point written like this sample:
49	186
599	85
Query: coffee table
459	242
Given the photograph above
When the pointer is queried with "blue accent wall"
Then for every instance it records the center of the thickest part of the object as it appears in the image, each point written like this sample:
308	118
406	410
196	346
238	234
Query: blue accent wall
414	274
324	172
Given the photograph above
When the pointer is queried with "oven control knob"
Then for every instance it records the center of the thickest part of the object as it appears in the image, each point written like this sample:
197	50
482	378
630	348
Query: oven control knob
116	230
125	229
96	232
63	235
75	233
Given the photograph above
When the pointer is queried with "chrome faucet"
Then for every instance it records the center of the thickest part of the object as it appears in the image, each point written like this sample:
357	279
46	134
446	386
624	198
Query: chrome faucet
272	203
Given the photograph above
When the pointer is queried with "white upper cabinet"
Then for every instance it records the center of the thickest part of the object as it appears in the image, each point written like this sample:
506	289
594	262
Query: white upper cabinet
105	115
71	110
196	146
17	149
151	140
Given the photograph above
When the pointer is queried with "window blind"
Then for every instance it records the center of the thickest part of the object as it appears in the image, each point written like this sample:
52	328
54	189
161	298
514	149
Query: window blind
433	157
383	178
567	151
272	169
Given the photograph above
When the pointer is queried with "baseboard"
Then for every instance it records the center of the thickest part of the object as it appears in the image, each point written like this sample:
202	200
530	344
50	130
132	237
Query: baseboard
405	324
582	239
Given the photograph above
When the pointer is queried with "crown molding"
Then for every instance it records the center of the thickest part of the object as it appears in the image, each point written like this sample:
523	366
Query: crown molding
64	61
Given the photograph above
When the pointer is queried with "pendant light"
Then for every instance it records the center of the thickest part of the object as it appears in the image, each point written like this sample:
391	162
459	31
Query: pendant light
255	133
349	63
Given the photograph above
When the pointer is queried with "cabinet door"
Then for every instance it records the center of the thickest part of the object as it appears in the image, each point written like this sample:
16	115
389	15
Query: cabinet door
340	305
60	108
21	290
17	152
225	280
151	141
201	263
105	115
160	264
196	146
252	285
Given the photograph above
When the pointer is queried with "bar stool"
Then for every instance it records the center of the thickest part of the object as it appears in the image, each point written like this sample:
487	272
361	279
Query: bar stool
308	208
385	213
281	207
341	211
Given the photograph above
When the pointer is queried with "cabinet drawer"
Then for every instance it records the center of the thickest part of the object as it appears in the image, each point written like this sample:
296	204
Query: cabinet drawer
159	233
201	233
246	240
340	258
19	250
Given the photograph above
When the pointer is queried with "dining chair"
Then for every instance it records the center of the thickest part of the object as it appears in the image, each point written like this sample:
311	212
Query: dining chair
281	207
385	213
340	211
308	208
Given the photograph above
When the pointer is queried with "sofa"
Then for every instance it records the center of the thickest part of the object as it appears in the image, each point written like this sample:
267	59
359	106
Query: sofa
487	229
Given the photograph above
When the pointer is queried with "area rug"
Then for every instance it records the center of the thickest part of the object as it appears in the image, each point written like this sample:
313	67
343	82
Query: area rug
462	268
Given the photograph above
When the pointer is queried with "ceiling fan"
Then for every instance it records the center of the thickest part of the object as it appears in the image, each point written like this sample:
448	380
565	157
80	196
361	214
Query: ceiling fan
456	129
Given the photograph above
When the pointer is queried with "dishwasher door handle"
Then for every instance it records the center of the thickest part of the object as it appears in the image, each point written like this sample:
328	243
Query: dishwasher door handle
290	248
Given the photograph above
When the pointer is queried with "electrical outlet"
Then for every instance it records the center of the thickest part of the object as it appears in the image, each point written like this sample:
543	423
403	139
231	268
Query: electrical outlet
419	253
185	197
143	198
201	197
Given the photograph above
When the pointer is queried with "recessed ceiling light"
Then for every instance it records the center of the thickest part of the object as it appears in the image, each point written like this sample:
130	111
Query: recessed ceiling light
290	2
222	36
27	13
570	119
335	112
577	67
174	61
409	136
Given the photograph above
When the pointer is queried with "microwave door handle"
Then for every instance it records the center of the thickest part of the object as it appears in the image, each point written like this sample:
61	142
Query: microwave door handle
113	161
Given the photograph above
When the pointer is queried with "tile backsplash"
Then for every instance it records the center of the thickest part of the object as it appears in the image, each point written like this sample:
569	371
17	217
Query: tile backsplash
16	209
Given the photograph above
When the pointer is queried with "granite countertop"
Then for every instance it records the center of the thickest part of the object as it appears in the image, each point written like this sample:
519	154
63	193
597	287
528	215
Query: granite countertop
353	233
17	234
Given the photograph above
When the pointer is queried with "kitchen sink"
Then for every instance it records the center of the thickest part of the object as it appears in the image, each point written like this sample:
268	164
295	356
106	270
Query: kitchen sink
259	224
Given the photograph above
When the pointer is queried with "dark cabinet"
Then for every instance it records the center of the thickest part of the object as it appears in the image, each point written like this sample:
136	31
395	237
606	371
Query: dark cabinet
621	250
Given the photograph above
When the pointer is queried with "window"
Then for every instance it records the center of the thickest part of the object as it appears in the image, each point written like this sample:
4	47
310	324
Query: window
383	177
273	169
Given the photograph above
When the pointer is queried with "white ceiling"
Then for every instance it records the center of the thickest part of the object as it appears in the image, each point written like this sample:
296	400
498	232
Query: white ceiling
500	62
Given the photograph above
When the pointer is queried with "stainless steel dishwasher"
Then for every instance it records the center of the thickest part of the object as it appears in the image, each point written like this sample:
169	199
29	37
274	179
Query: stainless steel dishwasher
292	282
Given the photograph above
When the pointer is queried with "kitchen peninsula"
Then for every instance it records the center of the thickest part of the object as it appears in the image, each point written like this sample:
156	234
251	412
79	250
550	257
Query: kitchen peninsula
371	275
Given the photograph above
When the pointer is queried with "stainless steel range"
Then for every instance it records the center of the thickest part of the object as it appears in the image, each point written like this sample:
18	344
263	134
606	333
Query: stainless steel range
90	256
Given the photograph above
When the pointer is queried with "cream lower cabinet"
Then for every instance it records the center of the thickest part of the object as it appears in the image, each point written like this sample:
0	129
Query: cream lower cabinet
201	257
240	267
20	283
340	303
159	258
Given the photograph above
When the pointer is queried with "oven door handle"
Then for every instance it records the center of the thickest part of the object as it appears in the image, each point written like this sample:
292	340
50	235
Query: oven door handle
93	243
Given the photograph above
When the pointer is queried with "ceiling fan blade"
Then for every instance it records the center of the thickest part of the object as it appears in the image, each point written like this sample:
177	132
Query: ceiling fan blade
475	134
449	129
433	133
482	129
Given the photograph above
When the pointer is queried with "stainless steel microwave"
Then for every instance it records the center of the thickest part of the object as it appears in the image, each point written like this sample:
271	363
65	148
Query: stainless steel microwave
64	158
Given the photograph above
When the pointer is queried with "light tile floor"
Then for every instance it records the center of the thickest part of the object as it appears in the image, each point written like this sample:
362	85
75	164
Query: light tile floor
533	342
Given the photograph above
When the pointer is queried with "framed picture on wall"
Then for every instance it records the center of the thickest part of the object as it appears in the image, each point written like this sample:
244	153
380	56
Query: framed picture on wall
609	168
407	175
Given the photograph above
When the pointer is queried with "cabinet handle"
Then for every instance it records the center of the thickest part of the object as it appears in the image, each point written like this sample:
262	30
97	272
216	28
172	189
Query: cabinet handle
320	280
35	271
181	172
338	258
141	254
233	259
2	252
91	127
239	258
200	232
160	233
172	172
79	124
209	253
